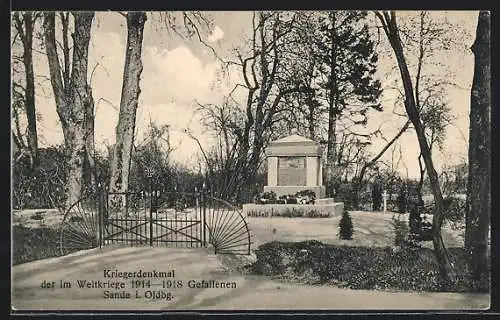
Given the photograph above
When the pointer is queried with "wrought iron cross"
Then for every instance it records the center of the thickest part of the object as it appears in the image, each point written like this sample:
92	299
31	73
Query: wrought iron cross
149	172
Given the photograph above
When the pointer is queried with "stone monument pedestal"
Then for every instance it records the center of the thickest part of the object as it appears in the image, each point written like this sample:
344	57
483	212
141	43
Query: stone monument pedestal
293	165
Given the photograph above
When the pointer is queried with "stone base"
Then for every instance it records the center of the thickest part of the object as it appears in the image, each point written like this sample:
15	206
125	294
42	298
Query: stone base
324	201
286	190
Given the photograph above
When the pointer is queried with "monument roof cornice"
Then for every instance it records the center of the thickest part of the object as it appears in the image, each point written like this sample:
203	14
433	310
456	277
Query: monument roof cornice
293	139
294	145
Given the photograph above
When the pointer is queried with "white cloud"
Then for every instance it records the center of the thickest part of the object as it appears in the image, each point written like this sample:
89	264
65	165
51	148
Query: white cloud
175	75
170	83
216	35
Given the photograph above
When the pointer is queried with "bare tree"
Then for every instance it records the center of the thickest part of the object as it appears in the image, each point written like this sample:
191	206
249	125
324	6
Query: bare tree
121	160
222	159
24	24
436	115
390	27
479	185
73	96
358	179
125	129
272	71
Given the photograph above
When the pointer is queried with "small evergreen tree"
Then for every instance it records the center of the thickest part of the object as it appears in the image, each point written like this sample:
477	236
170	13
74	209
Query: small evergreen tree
400	228
346	226
402	199
376	196
415	219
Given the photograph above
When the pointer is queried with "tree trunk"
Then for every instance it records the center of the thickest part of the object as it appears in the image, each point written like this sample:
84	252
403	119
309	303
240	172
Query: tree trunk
330	153
332	116
392	32
421	179
81	101
25	31
120	167
311	119
74	100
479	185
89	165
30	85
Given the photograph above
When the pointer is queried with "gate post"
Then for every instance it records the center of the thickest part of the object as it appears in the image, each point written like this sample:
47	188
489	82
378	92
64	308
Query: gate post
149	174
100	212
150	213
204	204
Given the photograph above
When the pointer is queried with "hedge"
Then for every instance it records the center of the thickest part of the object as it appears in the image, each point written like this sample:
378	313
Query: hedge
408	269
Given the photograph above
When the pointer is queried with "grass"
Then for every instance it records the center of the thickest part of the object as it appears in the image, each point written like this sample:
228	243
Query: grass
31	244
35	235
371	229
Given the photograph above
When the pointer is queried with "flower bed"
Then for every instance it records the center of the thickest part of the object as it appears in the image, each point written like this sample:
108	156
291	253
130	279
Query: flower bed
293	210
301	197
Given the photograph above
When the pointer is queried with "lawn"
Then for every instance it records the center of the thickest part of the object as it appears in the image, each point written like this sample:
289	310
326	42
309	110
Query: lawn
371	229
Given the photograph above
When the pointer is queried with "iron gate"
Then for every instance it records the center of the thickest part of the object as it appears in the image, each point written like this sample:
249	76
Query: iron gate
154	218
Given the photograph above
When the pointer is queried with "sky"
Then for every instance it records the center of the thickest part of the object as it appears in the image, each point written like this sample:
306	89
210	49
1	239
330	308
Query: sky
179	72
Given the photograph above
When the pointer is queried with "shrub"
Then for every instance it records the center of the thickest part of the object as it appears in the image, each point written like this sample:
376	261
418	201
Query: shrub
292	213
306	192
288	199
401	231
360	267
292	200
265	197
306	196
376	196
43	186
302	197
402	199
255	213
289	212
37	216
426	231
346	194
454	209
33	244
315	214
415	220
345	226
